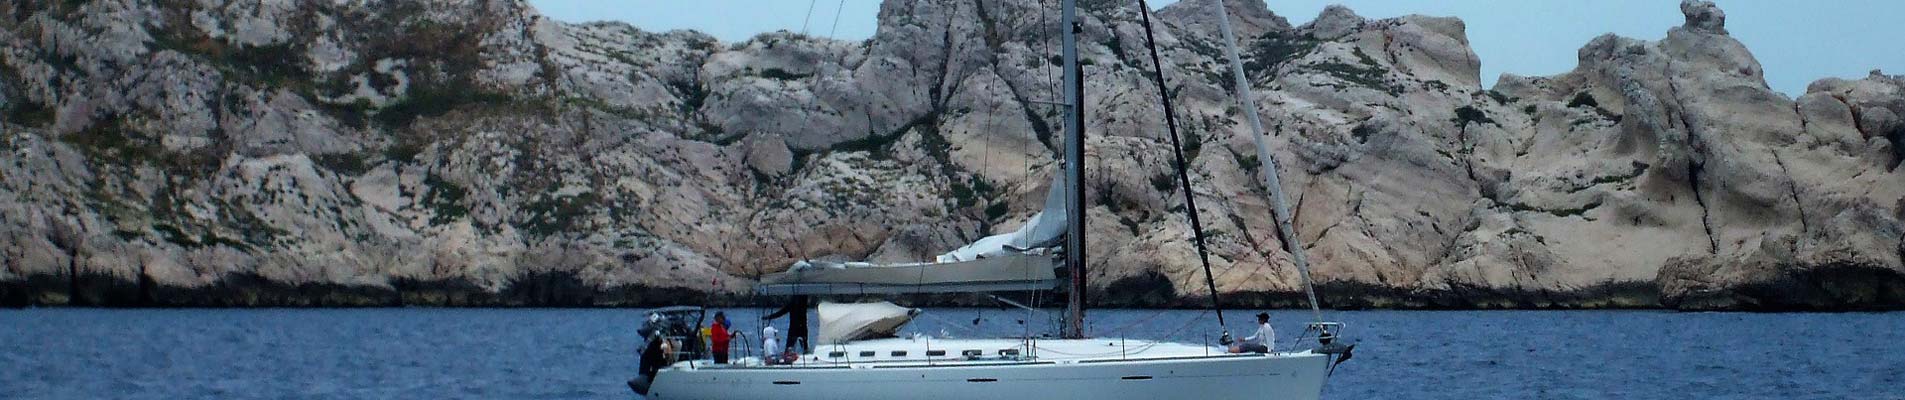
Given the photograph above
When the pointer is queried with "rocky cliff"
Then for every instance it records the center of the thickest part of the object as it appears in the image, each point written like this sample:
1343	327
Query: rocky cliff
178	152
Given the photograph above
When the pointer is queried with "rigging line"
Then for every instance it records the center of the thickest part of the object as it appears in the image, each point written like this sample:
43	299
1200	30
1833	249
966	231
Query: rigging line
976	332
1187	325
1025	160
808	18
836	19
1140	321
1279	206
1183	167
1045	39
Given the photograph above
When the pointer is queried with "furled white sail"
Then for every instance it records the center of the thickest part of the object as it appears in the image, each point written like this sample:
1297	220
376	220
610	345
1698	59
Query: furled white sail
1008	272
841	322
1043	230
1004	262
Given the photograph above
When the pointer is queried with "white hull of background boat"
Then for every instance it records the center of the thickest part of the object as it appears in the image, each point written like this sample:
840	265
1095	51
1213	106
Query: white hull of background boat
1159	371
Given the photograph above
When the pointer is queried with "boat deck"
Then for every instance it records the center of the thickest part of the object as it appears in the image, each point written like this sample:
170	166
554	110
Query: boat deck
930	352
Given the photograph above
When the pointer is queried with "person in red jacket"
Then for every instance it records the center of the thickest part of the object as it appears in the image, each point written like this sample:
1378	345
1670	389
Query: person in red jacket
718	336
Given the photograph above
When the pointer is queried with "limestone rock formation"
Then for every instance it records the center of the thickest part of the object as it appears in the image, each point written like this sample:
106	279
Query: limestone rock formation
477	153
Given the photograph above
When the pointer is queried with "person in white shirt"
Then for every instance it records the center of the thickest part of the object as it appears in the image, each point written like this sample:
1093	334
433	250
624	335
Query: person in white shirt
770	343
1263	340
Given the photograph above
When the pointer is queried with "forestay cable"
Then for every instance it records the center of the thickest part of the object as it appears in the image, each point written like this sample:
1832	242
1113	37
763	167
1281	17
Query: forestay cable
1279	207
1183	167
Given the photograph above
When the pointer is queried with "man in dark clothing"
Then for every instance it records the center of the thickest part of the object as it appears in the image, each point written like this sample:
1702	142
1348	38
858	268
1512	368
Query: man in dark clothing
796	312
652	357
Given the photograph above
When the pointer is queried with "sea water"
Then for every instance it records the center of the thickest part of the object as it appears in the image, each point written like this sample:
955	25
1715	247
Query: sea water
589	353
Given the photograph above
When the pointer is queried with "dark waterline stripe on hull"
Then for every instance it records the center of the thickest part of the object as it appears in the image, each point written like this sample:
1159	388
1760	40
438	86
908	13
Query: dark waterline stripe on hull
966	366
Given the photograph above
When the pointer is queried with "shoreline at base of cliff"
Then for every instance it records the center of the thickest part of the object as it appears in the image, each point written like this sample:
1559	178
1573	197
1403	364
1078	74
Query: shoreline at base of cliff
555	290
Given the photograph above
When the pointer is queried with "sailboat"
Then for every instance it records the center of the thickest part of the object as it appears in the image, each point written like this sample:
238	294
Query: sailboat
1046	253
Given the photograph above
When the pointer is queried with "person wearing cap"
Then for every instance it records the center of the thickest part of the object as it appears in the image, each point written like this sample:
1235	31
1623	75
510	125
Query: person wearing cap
718	335
1263	340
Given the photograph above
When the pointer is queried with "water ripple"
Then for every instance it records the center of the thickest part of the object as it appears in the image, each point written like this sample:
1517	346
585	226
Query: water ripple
582	354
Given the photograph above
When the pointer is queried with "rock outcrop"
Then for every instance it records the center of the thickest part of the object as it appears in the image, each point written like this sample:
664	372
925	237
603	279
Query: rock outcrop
477	153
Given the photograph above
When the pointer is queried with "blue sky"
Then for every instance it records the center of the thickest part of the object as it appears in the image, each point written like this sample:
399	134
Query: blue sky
1797	41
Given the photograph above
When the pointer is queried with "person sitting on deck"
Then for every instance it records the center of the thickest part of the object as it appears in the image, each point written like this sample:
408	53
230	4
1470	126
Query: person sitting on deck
1262	341
770	345
718	337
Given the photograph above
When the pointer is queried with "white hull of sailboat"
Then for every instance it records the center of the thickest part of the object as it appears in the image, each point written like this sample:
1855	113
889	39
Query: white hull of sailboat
1287	376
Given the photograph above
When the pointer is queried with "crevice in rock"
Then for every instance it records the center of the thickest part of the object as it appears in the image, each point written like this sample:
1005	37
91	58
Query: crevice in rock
1388	49
65	238
1898	148
1303	197
945	86
1792	188
1804	126
1468	155
1446	256
1694	169
1244	229
1356	207
1696	164
1040	129
1857	123
986	22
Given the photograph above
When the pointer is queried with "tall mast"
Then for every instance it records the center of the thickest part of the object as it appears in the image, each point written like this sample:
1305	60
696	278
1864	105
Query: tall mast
1278	205
1074	172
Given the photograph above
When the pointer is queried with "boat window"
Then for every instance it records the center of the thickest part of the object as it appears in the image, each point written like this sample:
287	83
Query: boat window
972	353
935	353
837	354
1009	352
899	353
868	353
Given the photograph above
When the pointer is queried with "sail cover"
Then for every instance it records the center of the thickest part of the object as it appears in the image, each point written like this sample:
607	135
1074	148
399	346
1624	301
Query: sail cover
841	322
1043	230
1014	261
1009	272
